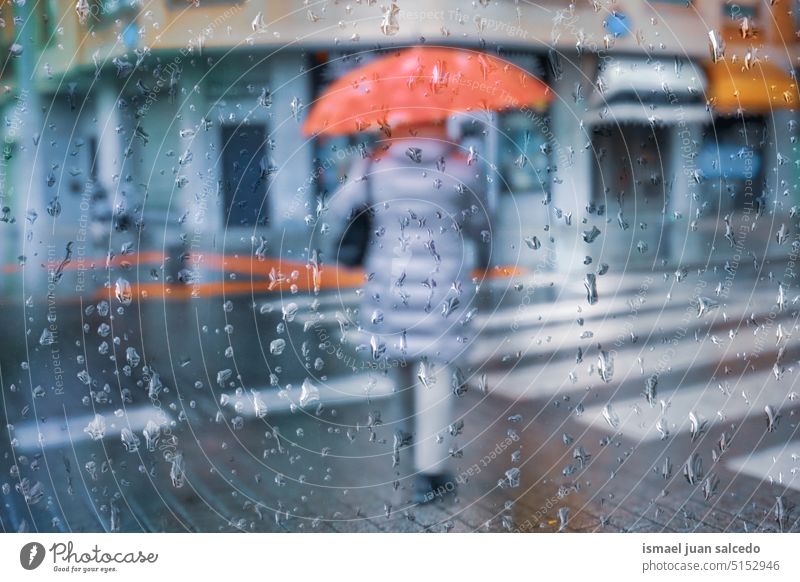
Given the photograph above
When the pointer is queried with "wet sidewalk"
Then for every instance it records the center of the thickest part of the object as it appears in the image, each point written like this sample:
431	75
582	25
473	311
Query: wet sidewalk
165	416
313	474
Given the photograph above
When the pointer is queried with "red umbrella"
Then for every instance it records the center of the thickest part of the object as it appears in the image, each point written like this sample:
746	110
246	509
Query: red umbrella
422	85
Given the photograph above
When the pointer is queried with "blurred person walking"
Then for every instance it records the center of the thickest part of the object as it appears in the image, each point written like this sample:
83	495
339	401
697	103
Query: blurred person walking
428	229
420	224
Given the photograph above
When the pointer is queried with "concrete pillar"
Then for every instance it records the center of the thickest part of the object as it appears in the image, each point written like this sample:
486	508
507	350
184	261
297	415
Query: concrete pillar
291	194
108	160
27	165
685	142
196	194
116	209
571	183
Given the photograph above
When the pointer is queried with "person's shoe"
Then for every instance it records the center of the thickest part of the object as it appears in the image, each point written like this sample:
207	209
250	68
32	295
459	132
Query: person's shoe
429	487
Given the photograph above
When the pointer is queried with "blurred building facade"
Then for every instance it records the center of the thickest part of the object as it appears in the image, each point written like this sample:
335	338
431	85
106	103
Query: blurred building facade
174	125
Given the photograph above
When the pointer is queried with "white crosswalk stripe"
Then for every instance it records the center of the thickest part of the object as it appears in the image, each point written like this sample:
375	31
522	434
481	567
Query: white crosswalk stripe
639	421
779	464
723	393
55	432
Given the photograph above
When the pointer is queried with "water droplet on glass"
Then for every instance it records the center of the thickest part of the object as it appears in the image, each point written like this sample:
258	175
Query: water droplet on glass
122	290
297	107
132	356
693	469
129	440
512	477
223	376
697	425
605	366
563	518
590	283
414	154
610	416
289	312
47	338
308	393
96	429
716	46
532	242
650	389
780	513
590	236
705	305
177	472
277	346
389	24
773	417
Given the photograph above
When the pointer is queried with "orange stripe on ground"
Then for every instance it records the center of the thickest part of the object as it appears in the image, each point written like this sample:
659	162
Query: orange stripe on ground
500	272
249	264
330	278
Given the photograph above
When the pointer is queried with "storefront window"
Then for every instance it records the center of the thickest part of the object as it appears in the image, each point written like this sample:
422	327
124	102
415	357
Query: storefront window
629	161
244	174
730	163
523	152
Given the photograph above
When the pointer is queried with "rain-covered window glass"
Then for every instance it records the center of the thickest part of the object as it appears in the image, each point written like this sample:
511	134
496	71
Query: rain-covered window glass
572	304
244	174
522	156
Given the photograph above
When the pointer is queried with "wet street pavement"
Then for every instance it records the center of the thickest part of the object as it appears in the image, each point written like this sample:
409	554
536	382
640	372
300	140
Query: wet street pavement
668	405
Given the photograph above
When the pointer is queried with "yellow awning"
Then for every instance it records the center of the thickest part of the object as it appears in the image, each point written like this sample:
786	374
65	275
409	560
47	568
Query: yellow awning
759	89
